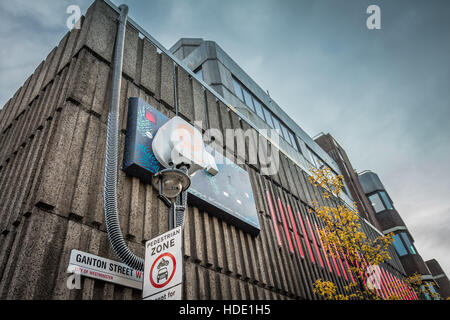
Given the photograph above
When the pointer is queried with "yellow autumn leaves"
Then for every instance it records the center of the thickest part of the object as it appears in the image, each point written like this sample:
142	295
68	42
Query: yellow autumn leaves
341	229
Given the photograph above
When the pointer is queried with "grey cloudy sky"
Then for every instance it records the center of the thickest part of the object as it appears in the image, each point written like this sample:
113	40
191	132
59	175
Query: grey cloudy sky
383	94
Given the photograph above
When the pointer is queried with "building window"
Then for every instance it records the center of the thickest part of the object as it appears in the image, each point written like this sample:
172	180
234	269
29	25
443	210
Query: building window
315	160
268	117
399	247
386	201
376	203
433	291
344	190
277	126
199	72
285	132
248	99
408	243
238	89
425	294
258	108
293	141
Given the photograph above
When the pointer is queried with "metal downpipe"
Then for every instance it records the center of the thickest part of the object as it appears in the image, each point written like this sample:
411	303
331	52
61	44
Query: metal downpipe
115	235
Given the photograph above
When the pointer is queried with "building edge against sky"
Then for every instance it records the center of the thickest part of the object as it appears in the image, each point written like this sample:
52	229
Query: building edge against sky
52	132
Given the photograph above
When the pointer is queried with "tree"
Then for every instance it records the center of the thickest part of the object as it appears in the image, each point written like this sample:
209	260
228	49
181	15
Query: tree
422	288
342	237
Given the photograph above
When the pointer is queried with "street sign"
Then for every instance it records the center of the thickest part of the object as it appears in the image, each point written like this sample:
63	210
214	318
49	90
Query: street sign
163	270
92	266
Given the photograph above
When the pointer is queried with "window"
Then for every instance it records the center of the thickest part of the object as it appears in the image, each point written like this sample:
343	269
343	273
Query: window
408	243
248	99
345	191
398	245
285	132
258	108
293	141
316	161
376	203
386	201
238	89
427	297
277	125
433	291
199	72
268	117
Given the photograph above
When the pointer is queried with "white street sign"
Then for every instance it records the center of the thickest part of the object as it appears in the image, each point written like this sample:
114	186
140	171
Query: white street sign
163	271
92	266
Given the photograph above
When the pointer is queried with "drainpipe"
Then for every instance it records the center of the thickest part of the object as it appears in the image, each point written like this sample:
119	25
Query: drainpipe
115	235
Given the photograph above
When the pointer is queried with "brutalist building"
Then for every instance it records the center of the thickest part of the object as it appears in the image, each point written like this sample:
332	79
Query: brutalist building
247	232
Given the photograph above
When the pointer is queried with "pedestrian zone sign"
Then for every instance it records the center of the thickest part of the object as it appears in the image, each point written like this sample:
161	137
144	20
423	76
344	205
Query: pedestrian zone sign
163	268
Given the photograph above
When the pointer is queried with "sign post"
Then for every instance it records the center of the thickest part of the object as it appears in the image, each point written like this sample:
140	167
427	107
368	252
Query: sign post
163	269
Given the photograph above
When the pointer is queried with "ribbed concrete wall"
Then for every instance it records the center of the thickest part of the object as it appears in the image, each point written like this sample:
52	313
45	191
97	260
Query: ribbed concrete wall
51	180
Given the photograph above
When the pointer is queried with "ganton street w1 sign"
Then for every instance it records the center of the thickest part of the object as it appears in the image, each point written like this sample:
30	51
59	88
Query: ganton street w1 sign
92	266
163	271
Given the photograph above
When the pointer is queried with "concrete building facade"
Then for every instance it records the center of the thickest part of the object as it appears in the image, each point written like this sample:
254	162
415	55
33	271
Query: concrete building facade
52	137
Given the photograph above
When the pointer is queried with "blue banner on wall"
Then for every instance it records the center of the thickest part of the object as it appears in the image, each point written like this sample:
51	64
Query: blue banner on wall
227	195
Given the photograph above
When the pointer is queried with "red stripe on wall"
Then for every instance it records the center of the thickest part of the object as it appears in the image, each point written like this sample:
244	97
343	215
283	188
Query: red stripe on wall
306	237
383	284
314	241
346	263
323	249
414	293
299	246
340	262
334	261
404	289
348	267
286	229
391	277
379	290
274	220
399	288
388	283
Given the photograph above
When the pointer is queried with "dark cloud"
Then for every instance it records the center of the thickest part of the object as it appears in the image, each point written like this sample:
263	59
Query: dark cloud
383	94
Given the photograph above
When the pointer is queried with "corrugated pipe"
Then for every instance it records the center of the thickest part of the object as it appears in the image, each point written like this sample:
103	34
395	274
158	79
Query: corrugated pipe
110	183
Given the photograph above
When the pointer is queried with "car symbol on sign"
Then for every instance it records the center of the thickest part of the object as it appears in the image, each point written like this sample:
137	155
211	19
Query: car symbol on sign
162	274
